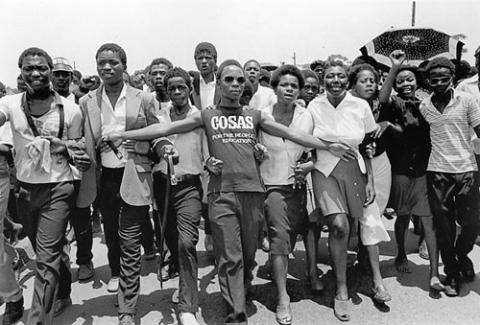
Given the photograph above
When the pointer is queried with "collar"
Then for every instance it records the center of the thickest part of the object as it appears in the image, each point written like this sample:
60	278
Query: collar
123	93
453	101
203	82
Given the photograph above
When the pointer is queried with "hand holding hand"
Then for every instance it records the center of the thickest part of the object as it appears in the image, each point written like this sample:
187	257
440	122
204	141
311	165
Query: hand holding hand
214	165
260	152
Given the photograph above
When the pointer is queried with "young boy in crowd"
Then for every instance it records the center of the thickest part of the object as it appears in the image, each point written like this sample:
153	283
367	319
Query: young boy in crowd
453	197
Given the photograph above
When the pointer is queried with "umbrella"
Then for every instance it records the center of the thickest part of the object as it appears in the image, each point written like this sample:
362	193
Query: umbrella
419	44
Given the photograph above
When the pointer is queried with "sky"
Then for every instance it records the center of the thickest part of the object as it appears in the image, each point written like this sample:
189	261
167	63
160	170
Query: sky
267	30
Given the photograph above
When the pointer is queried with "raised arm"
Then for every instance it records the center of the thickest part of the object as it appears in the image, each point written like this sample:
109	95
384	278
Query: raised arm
397	57
159	130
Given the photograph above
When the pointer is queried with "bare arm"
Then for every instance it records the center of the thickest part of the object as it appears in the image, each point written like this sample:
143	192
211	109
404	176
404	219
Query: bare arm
159	130
397	57
370	187
276	129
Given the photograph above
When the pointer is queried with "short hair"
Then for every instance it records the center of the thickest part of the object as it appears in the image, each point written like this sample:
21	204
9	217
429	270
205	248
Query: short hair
177	72
284	70
115	48
307	73
356	69
205	47
159	61
227	63
252	60
336	63
35	51
317	63
77	74
440	62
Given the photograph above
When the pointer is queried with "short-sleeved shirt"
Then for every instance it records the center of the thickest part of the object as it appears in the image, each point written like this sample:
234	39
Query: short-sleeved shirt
408	151
278	168
47	125
231	135
452	150
347	123
262	98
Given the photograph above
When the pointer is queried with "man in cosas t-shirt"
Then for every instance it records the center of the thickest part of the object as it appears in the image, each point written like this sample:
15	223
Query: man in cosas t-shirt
236	193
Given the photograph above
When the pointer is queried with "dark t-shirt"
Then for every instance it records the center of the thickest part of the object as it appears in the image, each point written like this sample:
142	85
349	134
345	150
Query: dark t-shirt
410	150
231	135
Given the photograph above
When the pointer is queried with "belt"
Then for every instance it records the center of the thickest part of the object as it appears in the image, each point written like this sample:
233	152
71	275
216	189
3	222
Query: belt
183	179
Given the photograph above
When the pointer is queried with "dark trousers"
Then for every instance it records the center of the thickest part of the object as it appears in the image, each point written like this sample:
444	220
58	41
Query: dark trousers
236	218
44	210
110	202
81	221
181	233
123	225
453	197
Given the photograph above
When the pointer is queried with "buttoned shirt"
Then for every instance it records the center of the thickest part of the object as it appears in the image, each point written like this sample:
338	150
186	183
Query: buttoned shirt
278	168
192	147
452	150
262	98
347	123
207	92
113	120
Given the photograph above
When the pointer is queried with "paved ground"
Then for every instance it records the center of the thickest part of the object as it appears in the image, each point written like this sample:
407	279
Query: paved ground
411	303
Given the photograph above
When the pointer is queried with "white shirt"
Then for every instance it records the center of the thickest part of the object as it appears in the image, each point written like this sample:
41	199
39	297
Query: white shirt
452	150
347	123
77	175
283	154
113	120
47	125
191	146
207	92
470	86
262	98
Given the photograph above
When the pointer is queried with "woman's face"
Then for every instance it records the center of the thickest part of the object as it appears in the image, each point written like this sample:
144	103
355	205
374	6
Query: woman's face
288	89
366	85
406	84
336	81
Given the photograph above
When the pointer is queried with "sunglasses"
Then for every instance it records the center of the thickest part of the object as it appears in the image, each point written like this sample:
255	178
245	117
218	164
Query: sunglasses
240	80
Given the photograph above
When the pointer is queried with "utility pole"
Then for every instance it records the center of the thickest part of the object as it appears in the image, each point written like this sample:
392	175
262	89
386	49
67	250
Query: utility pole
294	58
413	13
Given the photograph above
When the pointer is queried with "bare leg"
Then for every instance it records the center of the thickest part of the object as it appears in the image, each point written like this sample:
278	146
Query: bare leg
337	244
431	241
279	270
310	240
401	228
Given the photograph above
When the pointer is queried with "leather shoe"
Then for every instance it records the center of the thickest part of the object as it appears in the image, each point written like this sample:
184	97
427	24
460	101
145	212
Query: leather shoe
466	268
86	271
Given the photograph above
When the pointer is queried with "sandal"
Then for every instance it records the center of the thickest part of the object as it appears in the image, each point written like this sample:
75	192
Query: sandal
283	314
381	294
342	309
435	284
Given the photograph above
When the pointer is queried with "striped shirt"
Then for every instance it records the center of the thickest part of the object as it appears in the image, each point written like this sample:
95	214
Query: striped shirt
452	150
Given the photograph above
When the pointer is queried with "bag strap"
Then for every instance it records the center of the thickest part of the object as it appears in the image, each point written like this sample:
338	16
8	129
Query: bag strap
28	115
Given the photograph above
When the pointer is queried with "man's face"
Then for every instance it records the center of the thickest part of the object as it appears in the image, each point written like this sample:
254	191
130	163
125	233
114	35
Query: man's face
319	70
252	70
440	79
232	82
310	90
157	75
205	63
36	72
177	90
110	67
61	80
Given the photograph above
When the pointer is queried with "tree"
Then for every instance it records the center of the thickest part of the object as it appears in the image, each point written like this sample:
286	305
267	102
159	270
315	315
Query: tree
337	57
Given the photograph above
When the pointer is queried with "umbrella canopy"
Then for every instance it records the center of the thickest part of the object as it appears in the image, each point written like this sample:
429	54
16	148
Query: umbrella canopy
419	44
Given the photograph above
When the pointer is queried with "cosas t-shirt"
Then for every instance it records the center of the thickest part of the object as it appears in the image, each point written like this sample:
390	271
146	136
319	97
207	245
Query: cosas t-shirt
231	134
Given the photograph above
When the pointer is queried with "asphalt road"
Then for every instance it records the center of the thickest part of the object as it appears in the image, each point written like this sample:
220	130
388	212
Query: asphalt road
411	304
